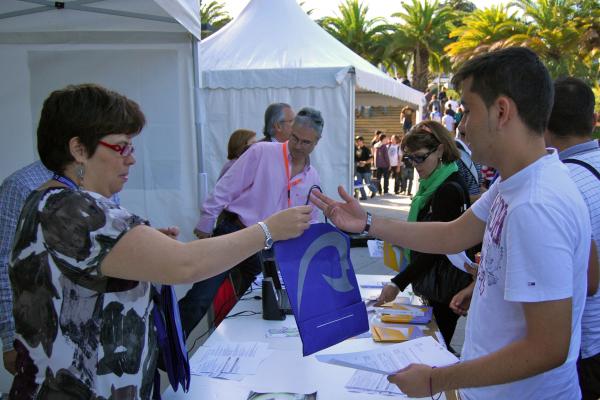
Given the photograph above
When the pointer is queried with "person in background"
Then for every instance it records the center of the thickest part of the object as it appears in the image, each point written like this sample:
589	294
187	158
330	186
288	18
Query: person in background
382	162
448	121
362	160
13	193
239	141
82	267
570	132
407	175
441	197
469	169
407	114
524	327
267	178
278	122
395	156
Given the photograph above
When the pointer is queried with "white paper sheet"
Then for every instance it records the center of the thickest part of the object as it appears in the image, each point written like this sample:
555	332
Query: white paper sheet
389	359
369	382
229	360
459	260
375	248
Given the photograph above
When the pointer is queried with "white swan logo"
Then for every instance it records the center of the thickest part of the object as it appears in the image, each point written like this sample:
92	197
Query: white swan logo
334	239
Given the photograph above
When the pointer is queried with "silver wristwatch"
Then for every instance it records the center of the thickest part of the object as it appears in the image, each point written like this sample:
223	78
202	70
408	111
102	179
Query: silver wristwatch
268	237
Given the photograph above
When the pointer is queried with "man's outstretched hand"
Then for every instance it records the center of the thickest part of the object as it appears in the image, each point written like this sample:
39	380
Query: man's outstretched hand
347	215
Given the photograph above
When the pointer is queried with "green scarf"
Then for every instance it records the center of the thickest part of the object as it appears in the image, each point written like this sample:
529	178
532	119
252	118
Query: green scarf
427	187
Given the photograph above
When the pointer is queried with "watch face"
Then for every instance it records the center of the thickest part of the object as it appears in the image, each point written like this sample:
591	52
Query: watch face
268	243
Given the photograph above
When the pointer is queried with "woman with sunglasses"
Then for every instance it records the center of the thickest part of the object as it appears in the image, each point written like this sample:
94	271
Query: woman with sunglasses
82	267
442	196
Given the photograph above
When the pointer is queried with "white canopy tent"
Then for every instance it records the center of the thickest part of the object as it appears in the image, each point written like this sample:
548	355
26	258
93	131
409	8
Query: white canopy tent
273	52
146	50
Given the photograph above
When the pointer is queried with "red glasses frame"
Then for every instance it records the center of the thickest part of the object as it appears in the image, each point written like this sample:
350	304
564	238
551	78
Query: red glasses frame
122	150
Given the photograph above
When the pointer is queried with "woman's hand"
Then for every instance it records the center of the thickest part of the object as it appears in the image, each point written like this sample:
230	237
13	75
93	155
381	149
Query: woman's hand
388	293
289	223
348	216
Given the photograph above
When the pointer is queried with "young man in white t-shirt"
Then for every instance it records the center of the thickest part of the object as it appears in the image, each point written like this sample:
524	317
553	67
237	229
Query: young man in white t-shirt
523	331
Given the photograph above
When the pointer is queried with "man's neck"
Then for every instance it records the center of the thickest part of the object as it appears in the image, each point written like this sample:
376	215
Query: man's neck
298	165
561	143
524	150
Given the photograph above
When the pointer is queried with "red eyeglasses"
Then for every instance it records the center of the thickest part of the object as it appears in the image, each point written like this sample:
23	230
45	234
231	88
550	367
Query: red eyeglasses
122	150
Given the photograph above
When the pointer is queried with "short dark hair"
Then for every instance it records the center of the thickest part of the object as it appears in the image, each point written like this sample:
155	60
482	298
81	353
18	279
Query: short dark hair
273	114
430	134
518	73
86	111
357	138
573	111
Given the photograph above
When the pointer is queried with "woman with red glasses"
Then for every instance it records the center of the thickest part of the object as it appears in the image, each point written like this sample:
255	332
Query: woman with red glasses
442	196
89	321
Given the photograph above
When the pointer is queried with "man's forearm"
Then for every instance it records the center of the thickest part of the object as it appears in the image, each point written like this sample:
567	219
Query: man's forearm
430	237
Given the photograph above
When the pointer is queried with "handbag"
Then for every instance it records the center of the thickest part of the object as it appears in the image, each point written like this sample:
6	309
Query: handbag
443	280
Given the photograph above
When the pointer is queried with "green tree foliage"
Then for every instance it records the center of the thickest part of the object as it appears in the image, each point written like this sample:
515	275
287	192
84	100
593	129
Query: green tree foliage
353	28
422	34
213	17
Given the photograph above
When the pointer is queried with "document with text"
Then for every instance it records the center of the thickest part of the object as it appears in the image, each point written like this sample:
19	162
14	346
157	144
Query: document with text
389	359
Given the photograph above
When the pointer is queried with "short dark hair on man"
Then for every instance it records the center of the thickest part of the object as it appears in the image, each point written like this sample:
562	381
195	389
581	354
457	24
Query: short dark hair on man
518	73
573	111
87	111
273	114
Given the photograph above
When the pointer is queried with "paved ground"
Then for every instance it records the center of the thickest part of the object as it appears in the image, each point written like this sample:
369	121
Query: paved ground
392	206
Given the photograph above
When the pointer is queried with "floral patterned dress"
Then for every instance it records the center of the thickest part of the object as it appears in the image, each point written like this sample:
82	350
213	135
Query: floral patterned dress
80	335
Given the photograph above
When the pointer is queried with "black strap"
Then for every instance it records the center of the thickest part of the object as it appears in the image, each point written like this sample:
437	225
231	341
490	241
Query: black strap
583	164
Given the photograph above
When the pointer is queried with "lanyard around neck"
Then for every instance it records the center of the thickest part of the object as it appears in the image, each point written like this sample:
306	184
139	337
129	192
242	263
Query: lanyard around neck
290	182
65	181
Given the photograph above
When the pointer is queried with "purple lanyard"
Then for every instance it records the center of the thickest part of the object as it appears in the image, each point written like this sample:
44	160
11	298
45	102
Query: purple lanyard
65	181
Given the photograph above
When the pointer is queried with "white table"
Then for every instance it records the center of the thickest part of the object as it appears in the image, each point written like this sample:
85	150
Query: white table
285	370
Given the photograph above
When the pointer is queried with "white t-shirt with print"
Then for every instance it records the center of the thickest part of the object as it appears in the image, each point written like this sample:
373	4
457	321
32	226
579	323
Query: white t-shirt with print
536	240
394	153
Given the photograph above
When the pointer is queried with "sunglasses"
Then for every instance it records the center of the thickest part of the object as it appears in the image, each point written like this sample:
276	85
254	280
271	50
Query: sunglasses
125	150
419	159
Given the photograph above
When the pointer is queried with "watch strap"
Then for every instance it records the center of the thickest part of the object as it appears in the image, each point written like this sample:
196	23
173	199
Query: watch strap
368	223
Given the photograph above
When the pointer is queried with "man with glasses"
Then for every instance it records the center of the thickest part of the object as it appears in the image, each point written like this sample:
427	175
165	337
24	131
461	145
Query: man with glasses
268	177
278	122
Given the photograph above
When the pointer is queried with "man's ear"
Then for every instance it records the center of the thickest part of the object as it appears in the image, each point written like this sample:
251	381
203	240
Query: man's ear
505	109
77	149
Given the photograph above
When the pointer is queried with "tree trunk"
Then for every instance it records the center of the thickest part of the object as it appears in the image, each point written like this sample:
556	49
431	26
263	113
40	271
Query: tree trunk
421	68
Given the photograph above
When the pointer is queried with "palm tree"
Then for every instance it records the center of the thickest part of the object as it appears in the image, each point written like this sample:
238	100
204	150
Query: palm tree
213	17
482	31
423	33
553	32
358	32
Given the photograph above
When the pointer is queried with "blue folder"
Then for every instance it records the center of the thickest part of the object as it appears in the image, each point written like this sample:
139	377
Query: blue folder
322	287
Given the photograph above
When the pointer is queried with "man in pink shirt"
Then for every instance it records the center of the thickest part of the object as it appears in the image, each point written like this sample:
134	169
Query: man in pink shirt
268	177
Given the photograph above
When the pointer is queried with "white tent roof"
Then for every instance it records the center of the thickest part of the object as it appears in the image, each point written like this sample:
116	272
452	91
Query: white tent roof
248	43
82	15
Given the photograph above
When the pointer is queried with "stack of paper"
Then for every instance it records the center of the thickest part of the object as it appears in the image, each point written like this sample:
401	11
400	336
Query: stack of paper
400	333
405	313
229	360
372	383
390	359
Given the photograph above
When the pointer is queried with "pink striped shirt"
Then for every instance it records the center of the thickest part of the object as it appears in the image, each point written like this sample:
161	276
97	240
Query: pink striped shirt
255	187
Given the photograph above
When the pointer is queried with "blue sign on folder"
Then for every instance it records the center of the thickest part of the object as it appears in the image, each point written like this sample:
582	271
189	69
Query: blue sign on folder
322	287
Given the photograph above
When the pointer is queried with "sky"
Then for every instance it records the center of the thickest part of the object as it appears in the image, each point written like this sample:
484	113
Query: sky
377	8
